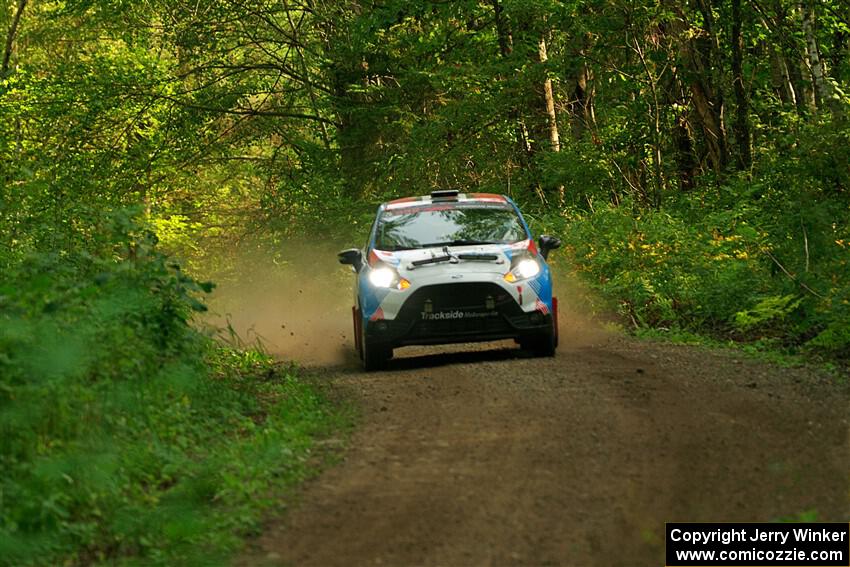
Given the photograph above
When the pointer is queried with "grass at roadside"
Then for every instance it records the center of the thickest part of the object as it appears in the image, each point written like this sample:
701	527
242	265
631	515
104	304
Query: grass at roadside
178	471
758	351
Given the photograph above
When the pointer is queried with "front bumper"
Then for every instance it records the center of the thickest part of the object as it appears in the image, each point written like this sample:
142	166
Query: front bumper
458	313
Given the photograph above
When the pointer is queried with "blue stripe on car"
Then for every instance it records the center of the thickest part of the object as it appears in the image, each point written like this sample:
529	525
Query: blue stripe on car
370	296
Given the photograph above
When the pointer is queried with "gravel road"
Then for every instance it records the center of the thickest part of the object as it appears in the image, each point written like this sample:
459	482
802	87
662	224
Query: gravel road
474	455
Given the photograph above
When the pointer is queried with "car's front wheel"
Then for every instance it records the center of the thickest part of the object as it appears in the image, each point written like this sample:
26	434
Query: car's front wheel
541	345
375	356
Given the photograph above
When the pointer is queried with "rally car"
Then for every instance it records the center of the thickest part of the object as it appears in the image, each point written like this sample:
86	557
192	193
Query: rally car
450	268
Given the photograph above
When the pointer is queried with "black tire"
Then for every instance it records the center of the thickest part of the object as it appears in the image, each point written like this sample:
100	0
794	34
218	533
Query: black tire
375	357
541	345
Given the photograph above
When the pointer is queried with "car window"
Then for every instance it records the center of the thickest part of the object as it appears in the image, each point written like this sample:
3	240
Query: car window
440	225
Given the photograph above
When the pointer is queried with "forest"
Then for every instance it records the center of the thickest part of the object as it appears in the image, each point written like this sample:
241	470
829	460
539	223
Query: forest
693	156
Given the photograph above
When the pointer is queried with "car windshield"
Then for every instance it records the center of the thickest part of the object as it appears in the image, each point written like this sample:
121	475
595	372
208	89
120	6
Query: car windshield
448	225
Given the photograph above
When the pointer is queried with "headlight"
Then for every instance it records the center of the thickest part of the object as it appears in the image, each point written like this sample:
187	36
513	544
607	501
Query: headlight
523	270
382	277
527	268
386	277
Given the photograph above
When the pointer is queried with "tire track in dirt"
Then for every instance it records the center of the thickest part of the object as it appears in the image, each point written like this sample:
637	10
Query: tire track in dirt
477	455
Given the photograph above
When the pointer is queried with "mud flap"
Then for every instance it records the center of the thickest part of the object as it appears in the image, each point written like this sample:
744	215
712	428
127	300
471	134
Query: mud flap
358	339
555	319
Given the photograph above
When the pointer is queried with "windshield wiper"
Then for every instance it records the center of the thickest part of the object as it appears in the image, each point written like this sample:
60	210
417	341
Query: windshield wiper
454	259
432	260
449	257
480	257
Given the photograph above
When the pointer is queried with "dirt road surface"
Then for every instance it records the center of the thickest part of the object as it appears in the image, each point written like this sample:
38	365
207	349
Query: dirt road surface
474	455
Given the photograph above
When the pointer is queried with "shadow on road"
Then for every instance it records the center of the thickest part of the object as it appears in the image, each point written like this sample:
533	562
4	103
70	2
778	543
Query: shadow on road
432	360
417	358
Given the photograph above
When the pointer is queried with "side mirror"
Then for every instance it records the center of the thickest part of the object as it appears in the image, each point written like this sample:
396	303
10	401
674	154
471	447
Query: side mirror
352	257
547	244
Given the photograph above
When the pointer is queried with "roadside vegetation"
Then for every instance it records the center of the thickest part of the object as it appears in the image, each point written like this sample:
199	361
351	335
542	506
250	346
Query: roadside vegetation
126	435
762	259
695	157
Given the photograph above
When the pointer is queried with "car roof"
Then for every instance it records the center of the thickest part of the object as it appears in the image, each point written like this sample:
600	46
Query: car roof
424	200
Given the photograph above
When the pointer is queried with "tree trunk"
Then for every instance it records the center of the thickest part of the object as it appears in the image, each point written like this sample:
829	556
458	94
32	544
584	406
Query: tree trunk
742	108
551	114
711	122
821	85
696	61
686	161
799	70
686	164
781	78
503	35
10	38
712	66
581	103
787	59
549	101
818	84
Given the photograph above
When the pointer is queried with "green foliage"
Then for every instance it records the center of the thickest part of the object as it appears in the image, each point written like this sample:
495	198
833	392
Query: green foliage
125	435
763	258
771	309
663	270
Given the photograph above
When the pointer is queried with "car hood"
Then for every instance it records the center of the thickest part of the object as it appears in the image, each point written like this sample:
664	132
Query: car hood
468	259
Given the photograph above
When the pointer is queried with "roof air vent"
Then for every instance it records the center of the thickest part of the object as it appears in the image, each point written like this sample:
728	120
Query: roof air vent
445	194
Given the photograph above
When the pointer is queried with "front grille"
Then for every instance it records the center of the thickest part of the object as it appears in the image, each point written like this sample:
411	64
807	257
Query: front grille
470	296
486	307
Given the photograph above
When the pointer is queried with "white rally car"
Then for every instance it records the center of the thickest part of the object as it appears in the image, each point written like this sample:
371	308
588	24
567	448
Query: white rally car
451	268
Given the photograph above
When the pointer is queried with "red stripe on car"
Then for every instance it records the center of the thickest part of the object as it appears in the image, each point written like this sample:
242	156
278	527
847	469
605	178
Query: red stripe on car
487	197
373	258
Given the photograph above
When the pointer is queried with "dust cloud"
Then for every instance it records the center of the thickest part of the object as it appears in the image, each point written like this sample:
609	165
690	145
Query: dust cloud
295	300
582	319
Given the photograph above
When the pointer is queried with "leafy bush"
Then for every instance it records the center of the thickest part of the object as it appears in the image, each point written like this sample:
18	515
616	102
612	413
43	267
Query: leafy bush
768	310
763	257
718	275
124	432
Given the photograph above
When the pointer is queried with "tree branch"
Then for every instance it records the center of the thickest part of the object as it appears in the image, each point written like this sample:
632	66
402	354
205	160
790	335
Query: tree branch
251	111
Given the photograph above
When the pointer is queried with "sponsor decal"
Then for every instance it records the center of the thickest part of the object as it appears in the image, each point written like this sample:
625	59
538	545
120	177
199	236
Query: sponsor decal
457	314
540	306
